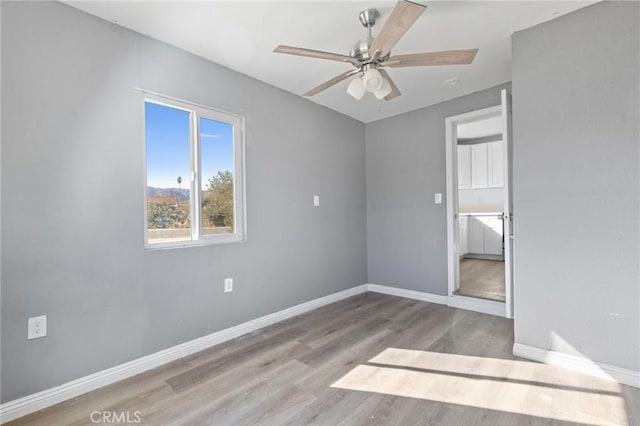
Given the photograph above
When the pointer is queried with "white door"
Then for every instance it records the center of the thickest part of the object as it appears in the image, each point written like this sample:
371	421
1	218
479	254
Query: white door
507	138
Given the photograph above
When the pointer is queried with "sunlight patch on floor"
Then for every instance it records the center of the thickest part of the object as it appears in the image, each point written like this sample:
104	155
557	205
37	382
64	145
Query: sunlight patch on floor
521	387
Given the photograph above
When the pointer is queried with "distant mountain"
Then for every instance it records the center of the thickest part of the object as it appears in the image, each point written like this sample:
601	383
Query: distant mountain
181	193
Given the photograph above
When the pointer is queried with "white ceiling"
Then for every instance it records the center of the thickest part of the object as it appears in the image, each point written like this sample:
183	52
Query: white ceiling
241	35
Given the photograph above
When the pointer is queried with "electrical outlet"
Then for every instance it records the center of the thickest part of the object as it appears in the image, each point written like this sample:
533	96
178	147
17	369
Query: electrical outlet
37	327
316	201
228	285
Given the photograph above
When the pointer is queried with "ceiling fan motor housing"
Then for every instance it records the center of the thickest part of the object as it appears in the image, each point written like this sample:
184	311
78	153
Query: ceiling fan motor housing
360	51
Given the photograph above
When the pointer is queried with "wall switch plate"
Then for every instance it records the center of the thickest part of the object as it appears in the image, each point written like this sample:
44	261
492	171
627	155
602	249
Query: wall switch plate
316	200
437	198
37	327
228	285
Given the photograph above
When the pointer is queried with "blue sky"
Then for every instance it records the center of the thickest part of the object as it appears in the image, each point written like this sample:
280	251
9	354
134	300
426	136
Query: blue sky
167	139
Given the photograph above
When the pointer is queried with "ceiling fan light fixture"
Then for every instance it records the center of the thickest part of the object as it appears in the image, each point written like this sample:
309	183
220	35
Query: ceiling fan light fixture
384	90
372	80
356	88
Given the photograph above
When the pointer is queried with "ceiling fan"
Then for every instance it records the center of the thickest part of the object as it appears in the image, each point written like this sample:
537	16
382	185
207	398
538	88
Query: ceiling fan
370	55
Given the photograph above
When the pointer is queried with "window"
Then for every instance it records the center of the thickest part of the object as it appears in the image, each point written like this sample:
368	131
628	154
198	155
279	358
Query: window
194	174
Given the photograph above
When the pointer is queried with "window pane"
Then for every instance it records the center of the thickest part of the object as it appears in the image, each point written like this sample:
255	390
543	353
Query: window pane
216	156
168	173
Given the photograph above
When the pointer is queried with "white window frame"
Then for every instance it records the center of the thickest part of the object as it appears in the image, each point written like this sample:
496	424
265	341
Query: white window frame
196	112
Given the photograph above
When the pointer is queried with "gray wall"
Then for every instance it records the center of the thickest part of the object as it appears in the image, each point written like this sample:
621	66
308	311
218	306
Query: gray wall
406	231
576	184
72	206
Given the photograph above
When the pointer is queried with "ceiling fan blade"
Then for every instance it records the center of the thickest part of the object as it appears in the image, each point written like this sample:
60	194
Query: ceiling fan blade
394	89
446	57
403	16
299	51
334	80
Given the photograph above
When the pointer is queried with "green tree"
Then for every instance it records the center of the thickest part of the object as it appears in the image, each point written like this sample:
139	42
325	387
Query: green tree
218	204
165	215
179	188
161	215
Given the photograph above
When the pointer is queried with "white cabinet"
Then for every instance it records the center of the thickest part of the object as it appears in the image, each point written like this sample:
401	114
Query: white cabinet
464	166
479	165
476	235
485	234
492	230
463	235
495	168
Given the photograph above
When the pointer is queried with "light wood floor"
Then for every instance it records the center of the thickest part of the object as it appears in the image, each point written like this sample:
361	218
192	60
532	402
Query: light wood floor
482	278
368	360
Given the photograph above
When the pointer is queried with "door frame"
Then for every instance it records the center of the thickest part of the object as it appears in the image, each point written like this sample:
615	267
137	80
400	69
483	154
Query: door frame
453	263
507	153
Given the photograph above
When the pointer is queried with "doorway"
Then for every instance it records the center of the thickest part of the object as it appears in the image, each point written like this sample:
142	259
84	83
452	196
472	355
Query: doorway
479	210
480	203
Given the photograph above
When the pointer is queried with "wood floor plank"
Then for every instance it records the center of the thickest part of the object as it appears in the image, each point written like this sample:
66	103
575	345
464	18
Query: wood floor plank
271	365
441	366
329	408
312	319
482	278
78	410
262	398
343	342
341	362
343	325
202	372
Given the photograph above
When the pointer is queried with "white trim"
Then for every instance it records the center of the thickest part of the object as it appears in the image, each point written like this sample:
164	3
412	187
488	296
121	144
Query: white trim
410	294
580	364
483	256
507	160
478	305
451	159
195	191
29	404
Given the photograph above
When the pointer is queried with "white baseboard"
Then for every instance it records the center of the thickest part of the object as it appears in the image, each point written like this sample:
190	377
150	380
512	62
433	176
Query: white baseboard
478	305
483	256
580	364
410	294
38	401
29	404
468	303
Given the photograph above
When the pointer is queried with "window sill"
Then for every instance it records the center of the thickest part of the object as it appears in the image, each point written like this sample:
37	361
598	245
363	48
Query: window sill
207	241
